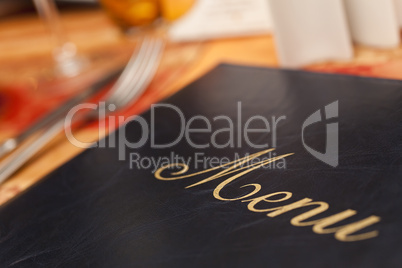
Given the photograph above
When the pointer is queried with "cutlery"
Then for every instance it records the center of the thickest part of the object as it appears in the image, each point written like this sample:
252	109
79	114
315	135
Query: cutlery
133	81
12	143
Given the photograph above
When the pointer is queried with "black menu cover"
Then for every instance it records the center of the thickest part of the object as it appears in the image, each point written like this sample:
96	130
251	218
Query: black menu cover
259	168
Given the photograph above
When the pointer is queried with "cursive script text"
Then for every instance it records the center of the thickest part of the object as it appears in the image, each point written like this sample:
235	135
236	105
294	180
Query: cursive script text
240	167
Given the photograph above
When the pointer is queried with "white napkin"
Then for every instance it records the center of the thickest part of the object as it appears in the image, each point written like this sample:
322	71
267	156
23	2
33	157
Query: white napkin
398	6
373	22
310	30
305	31
209	19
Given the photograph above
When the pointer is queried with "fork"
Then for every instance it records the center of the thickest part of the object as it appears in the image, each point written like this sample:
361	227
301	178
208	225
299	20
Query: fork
133	81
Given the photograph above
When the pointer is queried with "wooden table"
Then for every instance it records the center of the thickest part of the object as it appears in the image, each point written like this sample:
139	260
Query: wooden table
25	45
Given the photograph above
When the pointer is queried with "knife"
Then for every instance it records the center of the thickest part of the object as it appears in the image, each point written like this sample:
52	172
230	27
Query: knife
12	143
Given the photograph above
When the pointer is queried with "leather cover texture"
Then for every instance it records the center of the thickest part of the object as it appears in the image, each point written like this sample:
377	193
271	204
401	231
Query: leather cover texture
97	211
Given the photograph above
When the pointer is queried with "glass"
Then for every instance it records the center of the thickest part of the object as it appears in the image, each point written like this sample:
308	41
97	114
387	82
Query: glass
67	61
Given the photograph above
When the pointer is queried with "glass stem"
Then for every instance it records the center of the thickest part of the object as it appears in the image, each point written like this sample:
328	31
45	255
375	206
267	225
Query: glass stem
65	52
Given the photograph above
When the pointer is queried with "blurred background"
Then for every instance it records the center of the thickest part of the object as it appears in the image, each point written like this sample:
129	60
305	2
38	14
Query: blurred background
53	50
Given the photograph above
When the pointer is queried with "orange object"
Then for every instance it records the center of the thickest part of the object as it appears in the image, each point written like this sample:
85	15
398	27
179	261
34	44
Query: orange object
174	9
129	13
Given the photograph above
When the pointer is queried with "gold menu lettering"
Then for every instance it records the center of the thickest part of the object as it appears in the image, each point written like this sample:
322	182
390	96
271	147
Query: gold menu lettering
241	167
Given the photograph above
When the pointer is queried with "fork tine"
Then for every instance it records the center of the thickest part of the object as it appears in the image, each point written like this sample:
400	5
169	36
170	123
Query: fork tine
142	78
133	64
148	74
135	72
